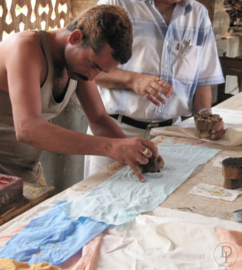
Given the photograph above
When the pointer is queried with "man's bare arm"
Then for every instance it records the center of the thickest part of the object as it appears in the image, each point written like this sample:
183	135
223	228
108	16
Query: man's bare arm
127	150
99	121
142	84
202	98
24	89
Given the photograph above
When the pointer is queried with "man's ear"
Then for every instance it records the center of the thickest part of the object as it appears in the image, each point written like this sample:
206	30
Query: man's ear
75	37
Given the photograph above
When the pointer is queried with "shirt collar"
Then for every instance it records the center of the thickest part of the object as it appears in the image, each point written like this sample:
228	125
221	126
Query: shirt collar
187	4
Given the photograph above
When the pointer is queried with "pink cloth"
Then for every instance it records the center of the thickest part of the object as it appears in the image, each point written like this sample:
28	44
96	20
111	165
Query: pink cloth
4	238
232	240
86	260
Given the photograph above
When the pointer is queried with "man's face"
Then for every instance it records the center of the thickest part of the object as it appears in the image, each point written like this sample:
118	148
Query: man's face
83	63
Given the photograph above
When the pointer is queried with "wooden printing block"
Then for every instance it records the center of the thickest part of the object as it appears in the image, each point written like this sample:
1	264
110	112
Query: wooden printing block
232	172
11	188
202	134
205	122
151	166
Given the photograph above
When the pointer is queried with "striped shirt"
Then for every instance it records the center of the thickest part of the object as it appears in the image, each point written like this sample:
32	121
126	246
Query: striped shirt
184	54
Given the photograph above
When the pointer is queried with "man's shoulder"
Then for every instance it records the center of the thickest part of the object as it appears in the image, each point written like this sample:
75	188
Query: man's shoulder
22	40
22	47
23	36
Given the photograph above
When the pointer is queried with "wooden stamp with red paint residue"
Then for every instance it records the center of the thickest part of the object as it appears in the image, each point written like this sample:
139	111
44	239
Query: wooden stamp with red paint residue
11	188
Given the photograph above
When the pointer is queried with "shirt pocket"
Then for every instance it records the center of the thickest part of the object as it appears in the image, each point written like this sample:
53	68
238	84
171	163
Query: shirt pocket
185	62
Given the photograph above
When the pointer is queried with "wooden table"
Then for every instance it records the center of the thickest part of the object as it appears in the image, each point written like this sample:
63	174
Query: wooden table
32	195
207	173
179	199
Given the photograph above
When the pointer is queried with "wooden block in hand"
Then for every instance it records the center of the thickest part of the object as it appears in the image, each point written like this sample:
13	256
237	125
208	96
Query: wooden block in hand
151	166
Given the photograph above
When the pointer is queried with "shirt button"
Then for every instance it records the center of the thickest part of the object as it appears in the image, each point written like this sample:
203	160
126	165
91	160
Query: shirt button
166	65
150	2
167	43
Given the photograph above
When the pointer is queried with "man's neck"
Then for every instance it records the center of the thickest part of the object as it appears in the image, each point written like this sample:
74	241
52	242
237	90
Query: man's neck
165	9
58	40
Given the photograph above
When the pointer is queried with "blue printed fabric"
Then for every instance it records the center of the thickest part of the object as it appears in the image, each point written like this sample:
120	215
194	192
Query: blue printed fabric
52	238
123	196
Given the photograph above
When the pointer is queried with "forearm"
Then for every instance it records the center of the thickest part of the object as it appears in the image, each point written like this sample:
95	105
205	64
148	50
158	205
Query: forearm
117	78
47	136
106	127
202	98
149	86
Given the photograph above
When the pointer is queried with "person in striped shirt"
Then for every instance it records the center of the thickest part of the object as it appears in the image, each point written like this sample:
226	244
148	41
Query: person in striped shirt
173	65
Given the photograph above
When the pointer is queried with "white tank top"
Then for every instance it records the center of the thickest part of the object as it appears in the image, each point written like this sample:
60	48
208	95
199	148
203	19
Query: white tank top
20	159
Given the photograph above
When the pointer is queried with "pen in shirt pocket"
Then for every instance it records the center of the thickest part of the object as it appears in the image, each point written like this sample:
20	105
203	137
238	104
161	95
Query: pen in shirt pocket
187	45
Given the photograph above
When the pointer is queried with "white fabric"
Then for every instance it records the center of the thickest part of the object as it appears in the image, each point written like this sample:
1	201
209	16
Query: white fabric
232	136
215	192
156	243
232	121
231	118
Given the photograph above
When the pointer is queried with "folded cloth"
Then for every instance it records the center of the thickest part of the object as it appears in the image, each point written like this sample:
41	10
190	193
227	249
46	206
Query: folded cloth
215	192
8	264
52	238
232	136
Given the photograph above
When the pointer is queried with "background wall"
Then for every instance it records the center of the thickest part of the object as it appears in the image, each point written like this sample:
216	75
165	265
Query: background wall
231	46
62	171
